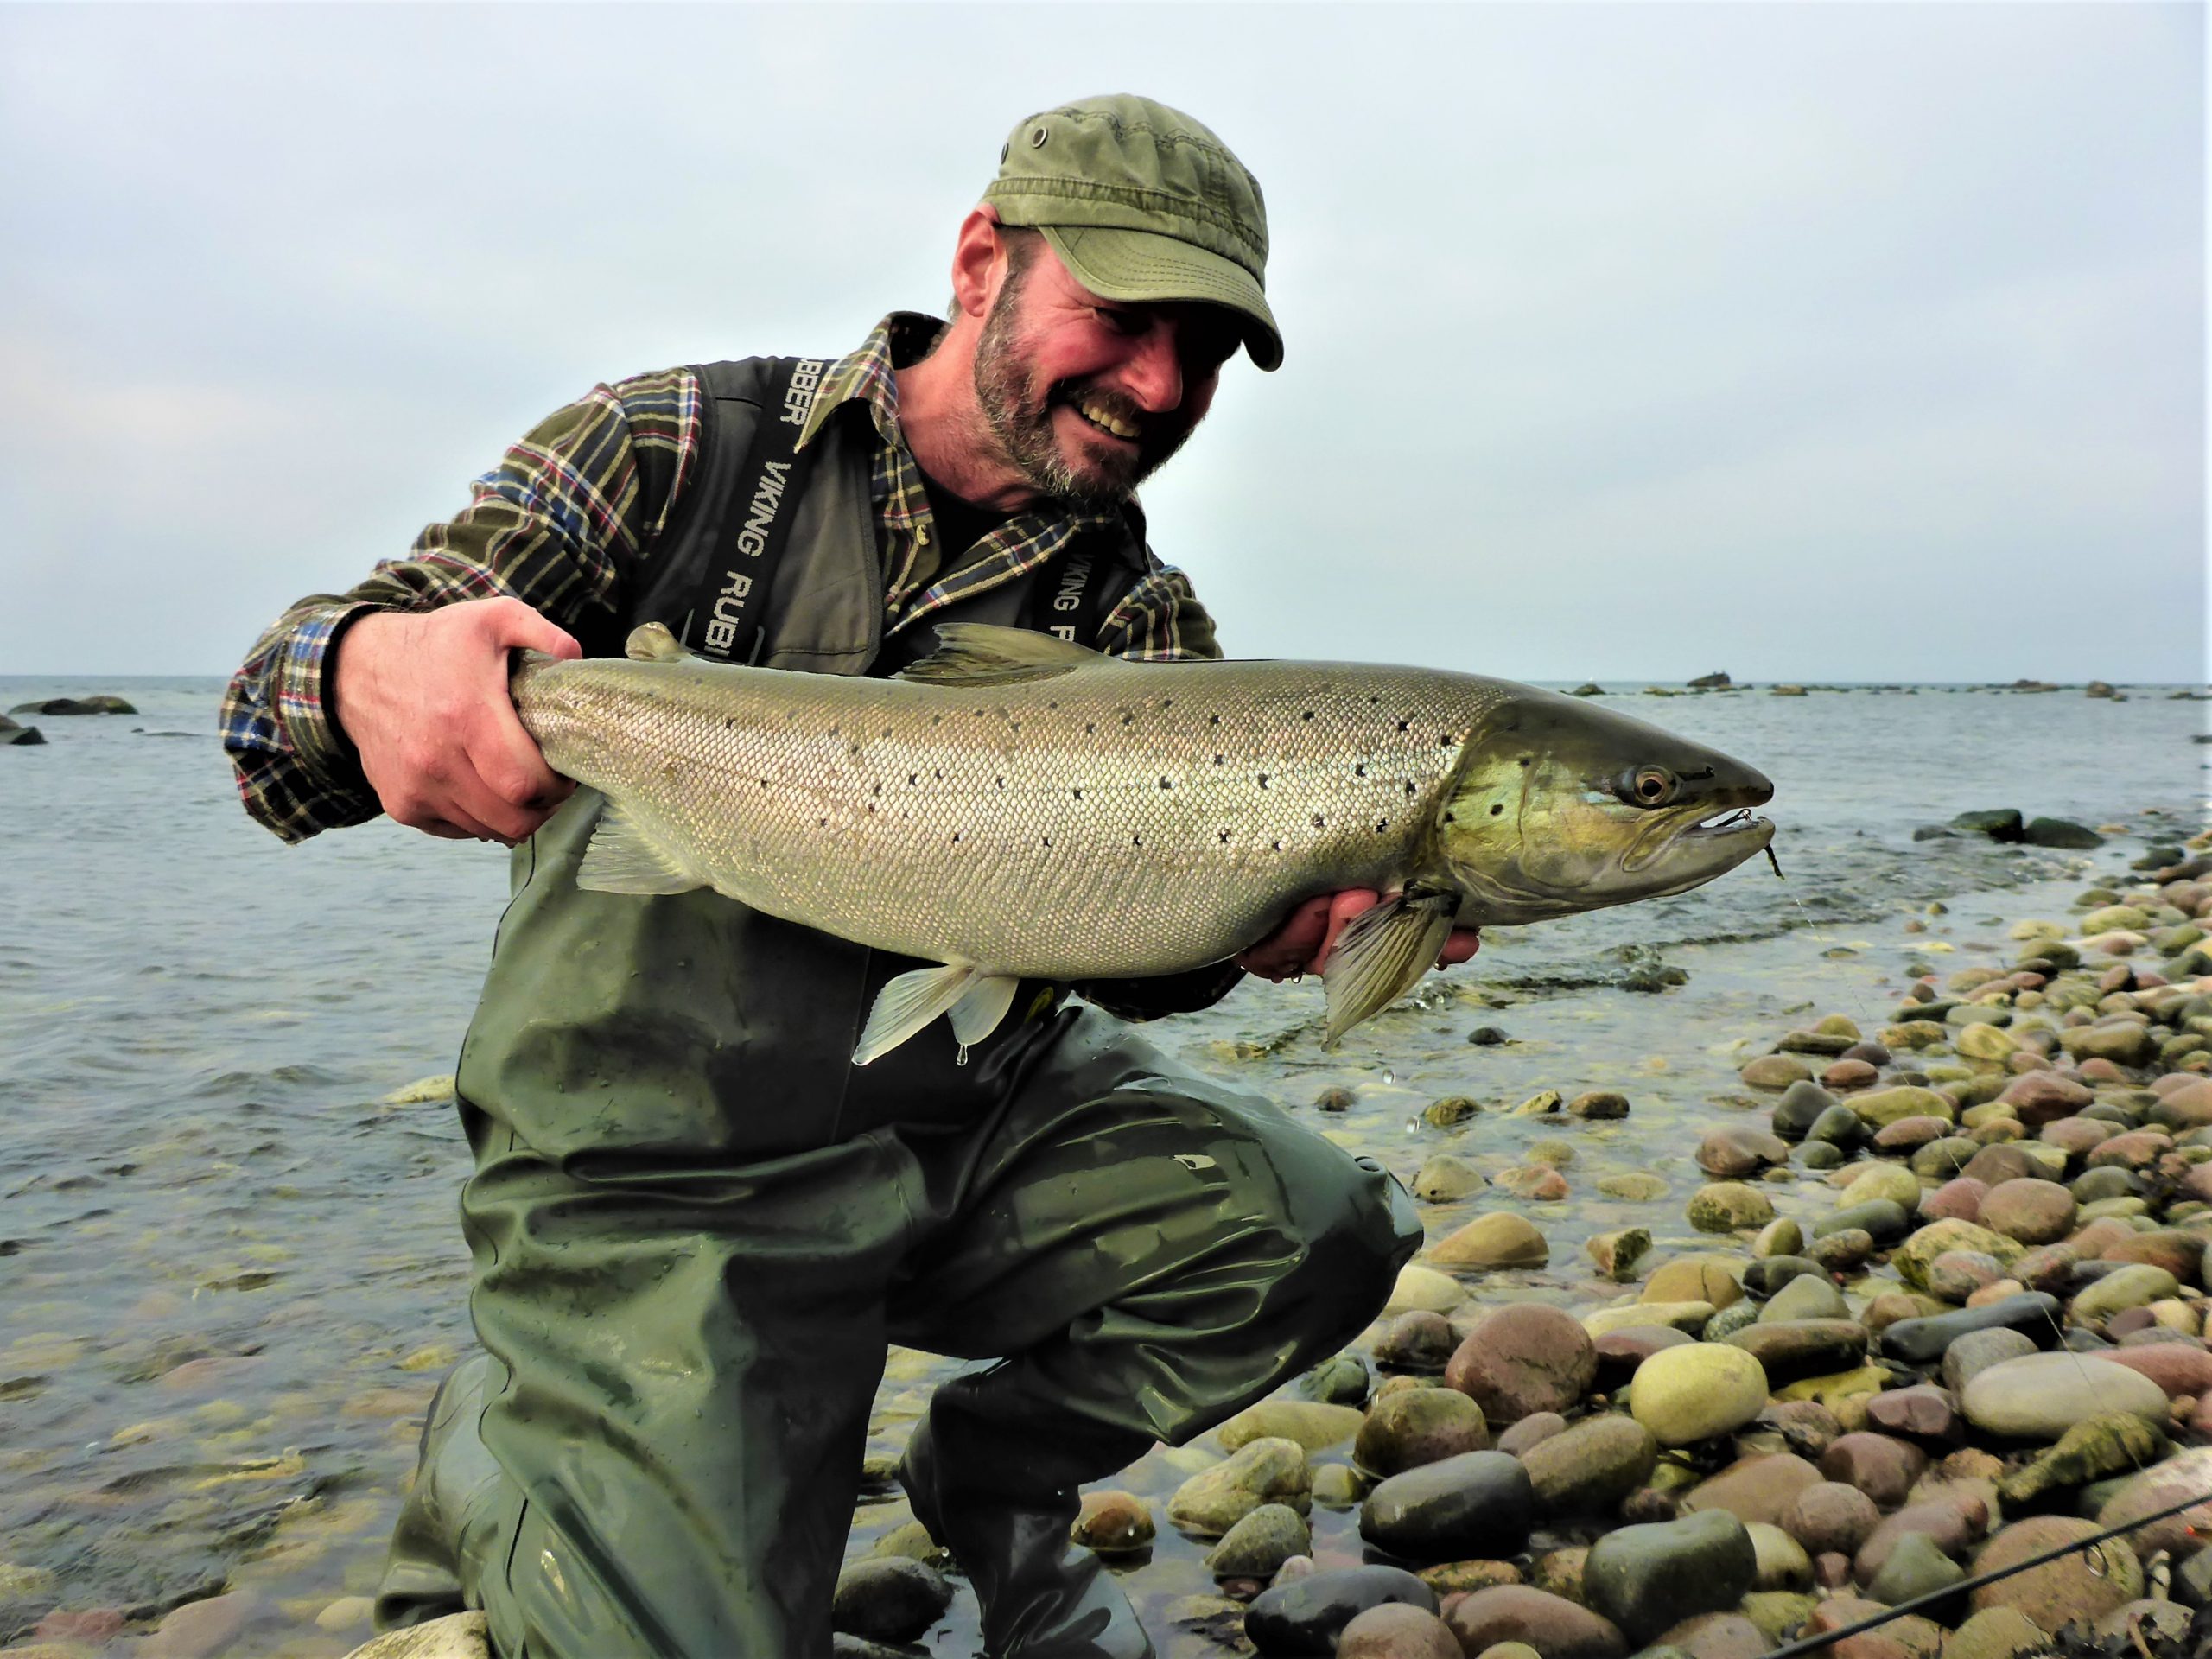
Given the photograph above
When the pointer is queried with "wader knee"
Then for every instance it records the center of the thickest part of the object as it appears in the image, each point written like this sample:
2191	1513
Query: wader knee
449	1524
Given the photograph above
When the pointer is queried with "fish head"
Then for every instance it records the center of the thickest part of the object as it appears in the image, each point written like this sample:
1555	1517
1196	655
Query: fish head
1559	806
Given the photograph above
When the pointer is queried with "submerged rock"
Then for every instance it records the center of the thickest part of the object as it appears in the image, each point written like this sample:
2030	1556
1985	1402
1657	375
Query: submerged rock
1647	1578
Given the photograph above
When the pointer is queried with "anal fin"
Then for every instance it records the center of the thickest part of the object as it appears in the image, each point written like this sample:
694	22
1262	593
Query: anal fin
624	857
1382	955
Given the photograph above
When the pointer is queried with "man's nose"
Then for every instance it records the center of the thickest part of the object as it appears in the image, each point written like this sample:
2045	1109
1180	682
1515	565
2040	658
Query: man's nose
1154	374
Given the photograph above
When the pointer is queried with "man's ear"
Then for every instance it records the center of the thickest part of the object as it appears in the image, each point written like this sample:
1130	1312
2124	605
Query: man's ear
977	262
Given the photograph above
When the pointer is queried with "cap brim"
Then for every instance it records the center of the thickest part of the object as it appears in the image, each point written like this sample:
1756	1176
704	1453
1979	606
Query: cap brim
1142	266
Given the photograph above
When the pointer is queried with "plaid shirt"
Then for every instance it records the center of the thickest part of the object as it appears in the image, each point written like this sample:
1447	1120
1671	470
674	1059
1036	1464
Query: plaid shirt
570	516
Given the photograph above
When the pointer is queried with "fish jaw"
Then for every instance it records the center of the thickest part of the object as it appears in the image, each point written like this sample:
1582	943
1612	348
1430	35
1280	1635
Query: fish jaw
1561	807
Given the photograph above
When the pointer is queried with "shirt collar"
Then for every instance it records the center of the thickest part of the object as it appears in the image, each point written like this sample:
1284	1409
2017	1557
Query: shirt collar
870	375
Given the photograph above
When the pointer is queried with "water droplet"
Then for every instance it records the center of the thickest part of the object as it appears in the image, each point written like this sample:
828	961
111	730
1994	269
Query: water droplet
1389	1076
961	1058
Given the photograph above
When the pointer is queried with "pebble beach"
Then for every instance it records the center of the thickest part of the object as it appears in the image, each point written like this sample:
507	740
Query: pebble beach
1776	1275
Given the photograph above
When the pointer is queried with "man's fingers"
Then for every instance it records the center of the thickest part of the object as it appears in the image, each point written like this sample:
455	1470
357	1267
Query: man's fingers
513	626
1462	945
1343	907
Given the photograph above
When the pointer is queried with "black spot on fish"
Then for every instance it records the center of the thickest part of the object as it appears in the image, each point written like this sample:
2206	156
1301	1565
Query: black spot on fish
1320	823
1000	782
1380	824
1128	719
1409	785
876	790
1164	783
1308	715
1136	841
1405	725
1077	793
1495	810
1213	720
1527	760
1090	725
1263	780
1275	846
1359	770
1224	837
914	777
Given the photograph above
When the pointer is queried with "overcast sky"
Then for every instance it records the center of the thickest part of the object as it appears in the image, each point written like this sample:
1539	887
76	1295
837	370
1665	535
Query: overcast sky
1809	341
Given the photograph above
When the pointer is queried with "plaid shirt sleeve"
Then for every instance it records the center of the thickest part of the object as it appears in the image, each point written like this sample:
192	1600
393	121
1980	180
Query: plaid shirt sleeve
558	524
1159	621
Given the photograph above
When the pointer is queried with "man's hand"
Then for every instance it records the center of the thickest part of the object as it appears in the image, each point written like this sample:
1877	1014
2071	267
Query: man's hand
1302	944
424	698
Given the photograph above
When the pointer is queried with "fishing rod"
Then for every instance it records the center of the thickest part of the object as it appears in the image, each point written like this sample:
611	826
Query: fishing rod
1950	1591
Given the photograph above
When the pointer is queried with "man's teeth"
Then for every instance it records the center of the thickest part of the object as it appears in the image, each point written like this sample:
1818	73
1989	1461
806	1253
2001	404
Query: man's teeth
1098	416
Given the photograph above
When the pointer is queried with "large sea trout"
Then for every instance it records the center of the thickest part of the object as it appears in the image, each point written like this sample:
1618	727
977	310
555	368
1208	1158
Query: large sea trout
1018	807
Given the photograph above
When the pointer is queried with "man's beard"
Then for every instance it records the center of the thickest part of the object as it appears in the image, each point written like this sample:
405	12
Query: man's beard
1022	421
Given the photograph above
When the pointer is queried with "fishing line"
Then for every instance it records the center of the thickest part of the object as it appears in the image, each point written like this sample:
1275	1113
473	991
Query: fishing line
2058	1336
1964	1586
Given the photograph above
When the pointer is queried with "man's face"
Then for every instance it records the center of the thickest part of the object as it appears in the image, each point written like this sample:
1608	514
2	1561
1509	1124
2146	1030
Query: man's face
1087	396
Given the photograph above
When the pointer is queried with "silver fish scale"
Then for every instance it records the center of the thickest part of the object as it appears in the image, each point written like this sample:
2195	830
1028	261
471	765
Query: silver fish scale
1116	820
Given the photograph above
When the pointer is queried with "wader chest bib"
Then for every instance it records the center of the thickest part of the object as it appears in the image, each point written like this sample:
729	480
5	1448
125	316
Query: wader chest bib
694	1225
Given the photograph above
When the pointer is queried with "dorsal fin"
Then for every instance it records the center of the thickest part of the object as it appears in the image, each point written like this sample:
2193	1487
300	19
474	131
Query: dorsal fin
981	653
651	642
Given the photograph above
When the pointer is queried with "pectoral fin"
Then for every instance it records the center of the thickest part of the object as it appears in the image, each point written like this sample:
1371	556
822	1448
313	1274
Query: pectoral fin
623	856
1382	955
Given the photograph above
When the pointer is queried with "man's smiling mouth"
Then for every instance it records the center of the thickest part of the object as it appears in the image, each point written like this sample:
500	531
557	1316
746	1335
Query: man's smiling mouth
1107	422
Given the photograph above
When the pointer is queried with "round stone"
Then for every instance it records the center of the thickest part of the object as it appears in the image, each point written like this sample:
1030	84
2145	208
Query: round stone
1522	1360
2040	1396
1405	1430
2081	1585
1697	1391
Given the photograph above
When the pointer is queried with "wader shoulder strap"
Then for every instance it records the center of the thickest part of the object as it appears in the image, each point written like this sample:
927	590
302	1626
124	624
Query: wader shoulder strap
1073	596
729	603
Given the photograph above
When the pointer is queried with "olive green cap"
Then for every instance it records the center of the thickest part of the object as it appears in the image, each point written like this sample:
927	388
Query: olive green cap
1142	203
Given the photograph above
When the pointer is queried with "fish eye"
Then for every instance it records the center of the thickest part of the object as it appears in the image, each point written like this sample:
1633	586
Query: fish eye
1649	786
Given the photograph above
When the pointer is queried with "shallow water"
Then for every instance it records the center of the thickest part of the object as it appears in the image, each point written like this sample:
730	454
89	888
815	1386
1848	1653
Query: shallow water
230	1273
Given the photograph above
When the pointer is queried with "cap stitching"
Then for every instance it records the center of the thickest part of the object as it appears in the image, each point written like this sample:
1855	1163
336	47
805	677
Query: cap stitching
1131	196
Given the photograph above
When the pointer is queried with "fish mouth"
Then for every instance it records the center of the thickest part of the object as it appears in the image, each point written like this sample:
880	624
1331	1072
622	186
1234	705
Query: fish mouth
1715	838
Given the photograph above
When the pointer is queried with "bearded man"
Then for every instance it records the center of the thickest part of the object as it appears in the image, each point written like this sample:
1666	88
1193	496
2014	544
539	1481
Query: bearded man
694	1224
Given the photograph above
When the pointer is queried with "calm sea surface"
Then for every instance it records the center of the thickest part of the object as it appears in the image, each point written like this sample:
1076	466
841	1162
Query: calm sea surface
230	1266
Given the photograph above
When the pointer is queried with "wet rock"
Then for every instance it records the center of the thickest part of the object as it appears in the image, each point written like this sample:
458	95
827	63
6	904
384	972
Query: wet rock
1712	1636
464	1635
2178	1479
1831	1518
1618	1253
2031	1211
1782	1563
1599	1105
1973	1353
2133	1285
1620	1352
1912	1257
1881	1221
1729	1320
1265	1472
1588	1468
1881	1107
1778	1238
1839	1126
2041	1098
1724	1206
1792	1349
200	1629
1766	1277
1537	1182
1956	1275
1501	1239
1466	1577
1807	1296
1403	1431
1635	1186
1879	1466
1775	1072
1735	1150
2179	1252
1923	1341
1340	1380
1915	1567
888	1599
1397	1633
1646	1578
1524	1359
1306	1615
2040	1396
1800	1105
1314	1425
1920	1413
1957	1199
1532	1430
1997	1633
1681	1316
2072	1588
2086	1451
1952	1522
1756	1490
1694	1279
1113	1523
1805	1427
1839	1392
1875	1181
1553	1626
1476	1503
1260	1543
1690	1394
1420	1342
1443	1179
